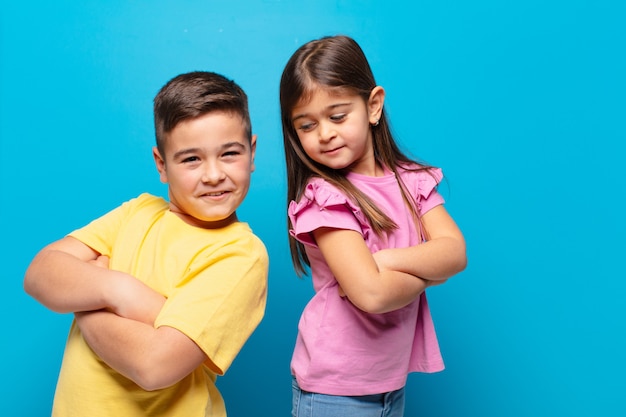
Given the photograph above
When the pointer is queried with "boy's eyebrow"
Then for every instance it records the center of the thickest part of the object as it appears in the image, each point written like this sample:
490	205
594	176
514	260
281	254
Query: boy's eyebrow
233	143
190	151
183	152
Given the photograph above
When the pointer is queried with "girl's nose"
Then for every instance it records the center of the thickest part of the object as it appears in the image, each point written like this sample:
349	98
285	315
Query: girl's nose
327	132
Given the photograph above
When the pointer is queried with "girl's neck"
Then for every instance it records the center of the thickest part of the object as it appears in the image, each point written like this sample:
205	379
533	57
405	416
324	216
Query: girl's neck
371	170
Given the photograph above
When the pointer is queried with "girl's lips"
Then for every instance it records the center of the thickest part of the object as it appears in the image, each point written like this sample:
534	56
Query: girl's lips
332	150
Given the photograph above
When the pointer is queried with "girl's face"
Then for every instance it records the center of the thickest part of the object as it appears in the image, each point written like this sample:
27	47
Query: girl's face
334	129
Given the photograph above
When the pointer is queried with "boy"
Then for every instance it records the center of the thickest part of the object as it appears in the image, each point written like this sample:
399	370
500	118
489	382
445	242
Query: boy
186	283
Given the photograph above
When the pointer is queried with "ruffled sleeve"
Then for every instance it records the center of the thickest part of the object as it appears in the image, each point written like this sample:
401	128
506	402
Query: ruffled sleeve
424	186
323	205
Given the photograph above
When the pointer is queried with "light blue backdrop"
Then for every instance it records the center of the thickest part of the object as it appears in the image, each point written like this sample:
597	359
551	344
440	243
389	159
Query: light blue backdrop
521	102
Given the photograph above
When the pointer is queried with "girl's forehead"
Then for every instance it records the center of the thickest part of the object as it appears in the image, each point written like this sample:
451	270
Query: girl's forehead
320	91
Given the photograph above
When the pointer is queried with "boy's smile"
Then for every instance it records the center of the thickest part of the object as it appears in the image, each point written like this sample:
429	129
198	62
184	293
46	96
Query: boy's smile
208	162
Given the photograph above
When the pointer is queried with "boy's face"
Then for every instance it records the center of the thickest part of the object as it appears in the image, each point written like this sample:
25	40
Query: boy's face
207	164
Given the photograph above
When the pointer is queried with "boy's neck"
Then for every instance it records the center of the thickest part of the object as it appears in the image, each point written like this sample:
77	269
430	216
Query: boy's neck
204	224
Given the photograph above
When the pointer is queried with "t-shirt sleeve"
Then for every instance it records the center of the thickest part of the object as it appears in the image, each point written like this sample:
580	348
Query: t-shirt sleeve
323	205
222	301
101	233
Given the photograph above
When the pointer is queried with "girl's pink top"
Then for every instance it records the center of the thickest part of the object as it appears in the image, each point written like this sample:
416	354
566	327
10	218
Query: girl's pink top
341	350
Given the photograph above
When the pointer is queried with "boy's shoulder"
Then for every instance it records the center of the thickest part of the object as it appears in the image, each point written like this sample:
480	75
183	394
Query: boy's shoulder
147	199
144	204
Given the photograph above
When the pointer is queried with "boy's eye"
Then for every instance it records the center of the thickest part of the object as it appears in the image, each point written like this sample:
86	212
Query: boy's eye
231	153
191	159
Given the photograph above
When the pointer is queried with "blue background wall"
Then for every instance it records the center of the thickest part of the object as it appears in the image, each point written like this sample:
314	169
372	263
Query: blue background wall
521	102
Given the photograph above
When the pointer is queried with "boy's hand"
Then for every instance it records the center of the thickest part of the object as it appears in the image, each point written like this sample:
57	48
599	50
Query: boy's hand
101	261
132	299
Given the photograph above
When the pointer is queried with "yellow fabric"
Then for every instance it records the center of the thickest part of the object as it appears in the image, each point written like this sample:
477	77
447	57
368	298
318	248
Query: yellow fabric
215	282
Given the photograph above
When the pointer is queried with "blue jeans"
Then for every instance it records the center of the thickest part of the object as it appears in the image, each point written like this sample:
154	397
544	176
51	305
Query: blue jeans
310	404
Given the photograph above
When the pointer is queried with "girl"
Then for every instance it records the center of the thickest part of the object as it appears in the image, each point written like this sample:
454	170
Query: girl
371	226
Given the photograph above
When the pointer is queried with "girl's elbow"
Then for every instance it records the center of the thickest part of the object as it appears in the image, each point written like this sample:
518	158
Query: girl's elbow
372	304
461	262
458	260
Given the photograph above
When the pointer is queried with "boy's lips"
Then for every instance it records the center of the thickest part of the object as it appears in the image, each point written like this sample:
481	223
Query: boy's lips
214	194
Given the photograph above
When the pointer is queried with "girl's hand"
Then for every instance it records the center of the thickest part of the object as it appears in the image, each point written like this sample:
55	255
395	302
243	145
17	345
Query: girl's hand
342	293
384	260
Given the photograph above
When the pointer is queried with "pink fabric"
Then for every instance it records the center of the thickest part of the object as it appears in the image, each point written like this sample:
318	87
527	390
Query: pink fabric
341	350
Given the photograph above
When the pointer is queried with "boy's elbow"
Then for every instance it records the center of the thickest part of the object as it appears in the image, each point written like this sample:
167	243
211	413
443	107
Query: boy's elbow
163	366
28	285
151	384
30	282
31	285
149	378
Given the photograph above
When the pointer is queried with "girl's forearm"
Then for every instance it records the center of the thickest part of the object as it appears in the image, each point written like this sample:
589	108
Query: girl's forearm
397	290
436	260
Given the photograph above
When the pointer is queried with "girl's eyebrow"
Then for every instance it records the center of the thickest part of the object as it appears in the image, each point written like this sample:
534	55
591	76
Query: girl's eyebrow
331	107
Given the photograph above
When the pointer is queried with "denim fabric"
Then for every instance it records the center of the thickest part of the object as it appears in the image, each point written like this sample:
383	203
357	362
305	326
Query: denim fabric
310	404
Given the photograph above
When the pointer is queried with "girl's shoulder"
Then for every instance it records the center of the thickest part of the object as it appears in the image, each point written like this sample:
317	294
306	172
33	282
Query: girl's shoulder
321	192
324	196
422	180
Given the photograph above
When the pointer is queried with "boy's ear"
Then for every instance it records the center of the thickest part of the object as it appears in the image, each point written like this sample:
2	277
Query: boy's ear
160	164
252	152
375	104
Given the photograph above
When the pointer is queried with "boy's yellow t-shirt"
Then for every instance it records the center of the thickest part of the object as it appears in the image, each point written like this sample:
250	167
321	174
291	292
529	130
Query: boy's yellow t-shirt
215	282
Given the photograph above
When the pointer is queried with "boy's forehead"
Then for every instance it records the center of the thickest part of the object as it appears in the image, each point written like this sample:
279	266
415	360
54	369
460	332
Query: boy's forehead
210	130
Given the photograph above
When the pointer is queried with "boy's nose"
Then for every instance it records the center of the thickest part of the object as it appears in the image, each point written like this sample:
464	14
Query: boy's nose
213	174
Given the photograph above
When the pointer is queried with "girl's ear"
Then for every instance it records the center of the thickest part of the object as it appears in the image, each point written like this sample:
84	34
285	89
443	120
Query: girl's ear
160	164
375	104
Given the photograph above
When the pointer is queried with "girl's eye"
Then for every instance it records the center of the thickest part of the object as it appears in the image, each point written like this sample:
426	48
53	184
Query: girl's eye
306	126
231	153
338	117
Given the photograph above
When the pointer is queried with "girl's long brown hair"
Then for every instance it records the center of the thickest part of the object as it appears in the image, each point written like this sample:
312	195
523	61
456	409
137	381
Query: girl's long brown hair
337	63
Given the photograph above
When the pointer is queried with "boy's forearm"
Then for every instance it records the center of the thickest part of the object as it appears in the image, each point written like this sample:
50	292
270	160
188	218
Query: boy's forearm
153	358
65	283
66	276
